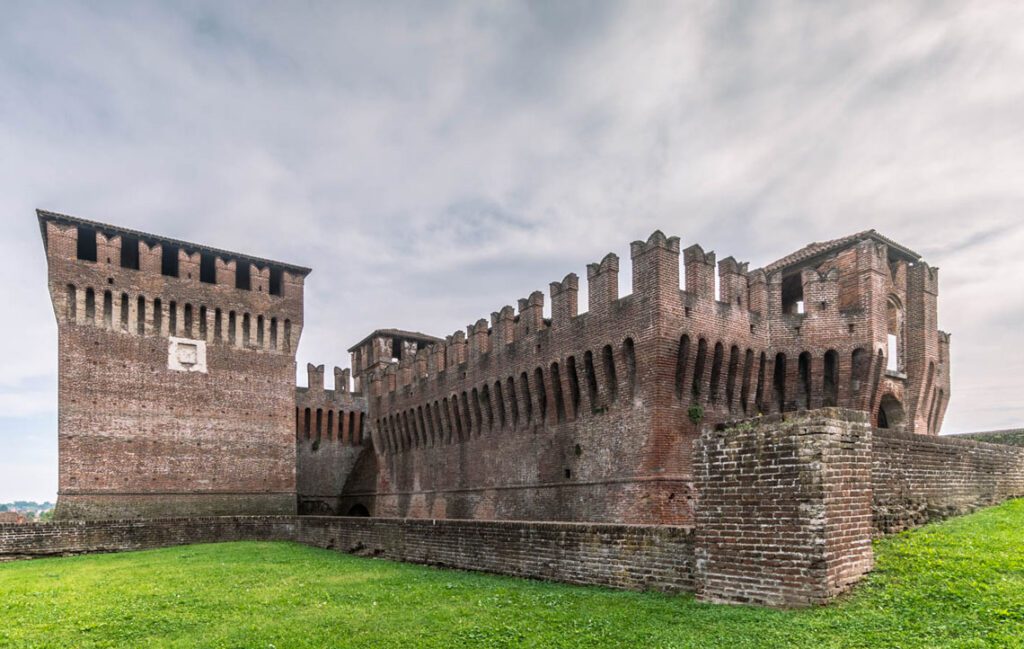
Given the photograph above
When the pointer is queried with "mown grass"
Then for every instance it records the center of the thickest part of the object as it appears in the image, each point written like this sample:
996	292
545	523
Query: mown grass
959	583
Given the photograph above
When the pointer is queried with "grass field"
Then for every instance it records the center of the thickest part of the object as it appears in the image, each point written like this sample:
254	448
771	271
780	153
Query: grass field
955	584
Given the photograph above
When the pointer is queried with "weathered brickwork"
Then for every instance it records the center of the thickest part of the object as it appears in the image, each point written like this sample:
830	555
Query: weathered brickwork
593	416
331	444
616	556
918	479
176	378
784	516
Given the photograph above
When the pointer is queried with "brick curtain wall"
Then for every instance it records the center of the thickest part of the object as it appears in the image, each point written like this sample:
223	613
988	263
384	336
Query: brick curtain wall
634	557
917	479
784	516
619	556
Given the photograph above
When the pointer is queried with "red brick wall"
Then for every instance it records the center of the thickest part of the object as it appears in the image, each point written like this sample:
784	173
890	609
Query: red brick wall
139	439
448	445
917	479
784	516
617	556
330	440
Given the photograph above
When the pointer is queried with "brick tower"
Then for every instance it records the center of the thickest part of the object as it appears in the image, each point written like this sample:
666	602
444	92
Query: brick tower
176	374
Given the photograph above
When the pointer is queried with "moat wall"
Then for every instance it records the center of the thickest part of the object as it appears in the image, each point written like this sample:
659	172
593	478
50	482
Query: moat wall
788	507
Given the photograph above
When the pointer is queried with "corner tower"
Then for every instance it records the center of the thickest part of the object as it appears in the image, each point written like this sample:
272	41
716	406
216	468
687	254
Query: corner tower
176	374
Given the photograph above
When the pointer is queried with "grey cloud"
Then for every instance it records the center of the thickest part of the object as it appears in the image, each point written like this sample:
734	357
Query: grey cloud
434	161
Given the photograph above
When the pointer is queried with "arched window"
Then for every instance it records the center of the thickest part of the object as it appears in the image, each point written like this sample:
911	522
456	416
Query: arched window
218	327
588	369
759	392
246	330
330	424
682	358
524	382
140	316
779	381
259	331
499	397
108	310
273	335
860	364
485	397
172	318
158	316
890	413
467	415
574	385
477	415
730	379
308	424
698	368
513	401
90	306
556	390
188	321
319	423
716	371
609	373
448	419
629	351
287	335
830	382
804	370
232	327
542	394
124	311
748	369
202	322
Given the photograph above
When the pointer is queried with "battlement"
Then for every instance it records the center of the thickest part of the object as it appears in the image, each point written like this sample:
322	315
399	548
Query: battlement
329	416
761	302
138	284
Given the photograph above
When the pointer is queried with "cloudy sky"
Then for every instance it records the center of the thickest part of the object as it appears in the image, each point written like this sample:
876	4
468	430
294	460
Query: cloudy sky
433	162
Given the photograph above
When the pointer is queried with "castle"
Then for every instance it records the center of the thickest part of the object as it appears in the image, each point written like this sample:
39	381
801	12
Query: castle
743	434
177	392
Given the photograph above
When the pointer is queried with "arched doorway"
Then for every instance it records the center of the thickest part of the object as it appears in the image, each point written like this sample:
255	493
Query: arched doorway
890	412
358	510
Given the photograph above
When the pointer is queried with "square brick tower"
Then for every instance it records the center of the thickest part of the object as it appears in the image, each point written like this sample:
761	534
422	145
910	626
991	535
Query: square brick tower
176	386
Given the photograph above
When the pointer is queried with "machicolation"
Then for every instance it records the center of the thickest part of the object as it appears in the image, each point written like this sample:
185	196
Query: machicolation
177	398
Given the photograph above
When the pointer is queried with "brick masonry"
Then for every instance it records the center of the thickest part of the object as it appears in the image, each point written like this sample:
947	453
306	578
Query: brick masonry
331	444
176	378
592	416
918	479
617	556
786	520
784	515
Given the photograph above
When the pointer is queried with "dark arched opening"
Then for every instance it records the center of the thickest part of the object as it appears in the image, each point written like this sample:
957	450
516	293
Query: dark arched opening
358	510
890	413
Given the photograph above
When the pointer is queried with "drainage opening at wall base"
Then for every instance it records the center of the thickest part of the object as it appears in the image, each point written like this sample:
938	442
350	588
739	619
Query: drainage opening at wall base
358	510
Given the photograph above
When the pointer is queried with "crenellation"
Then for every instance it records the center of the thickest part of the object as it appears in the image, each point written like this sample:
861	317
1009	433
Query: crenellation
580	417
564	300
700	272
603	284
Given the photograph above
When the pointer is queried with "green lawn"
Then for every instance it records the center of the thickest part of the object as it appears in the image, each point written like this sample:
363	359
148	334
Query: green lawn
955	584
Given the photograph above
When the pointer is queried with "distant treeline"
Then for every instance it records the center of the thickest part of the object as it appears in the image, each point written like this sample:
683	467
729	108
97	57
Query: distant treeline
25	506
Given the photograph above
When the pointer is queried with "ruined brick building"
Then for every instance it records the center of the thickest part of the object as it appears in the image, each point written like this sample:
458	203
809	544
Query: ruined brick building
177	391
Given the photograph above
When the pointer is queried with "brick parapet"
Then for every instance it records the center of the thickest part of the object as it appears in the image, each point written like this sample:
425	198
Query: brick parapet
784	508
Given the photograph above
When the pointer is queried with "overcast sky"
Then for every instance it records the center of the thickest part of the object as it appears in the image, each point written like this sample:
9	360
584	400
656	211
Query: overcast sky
433	162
